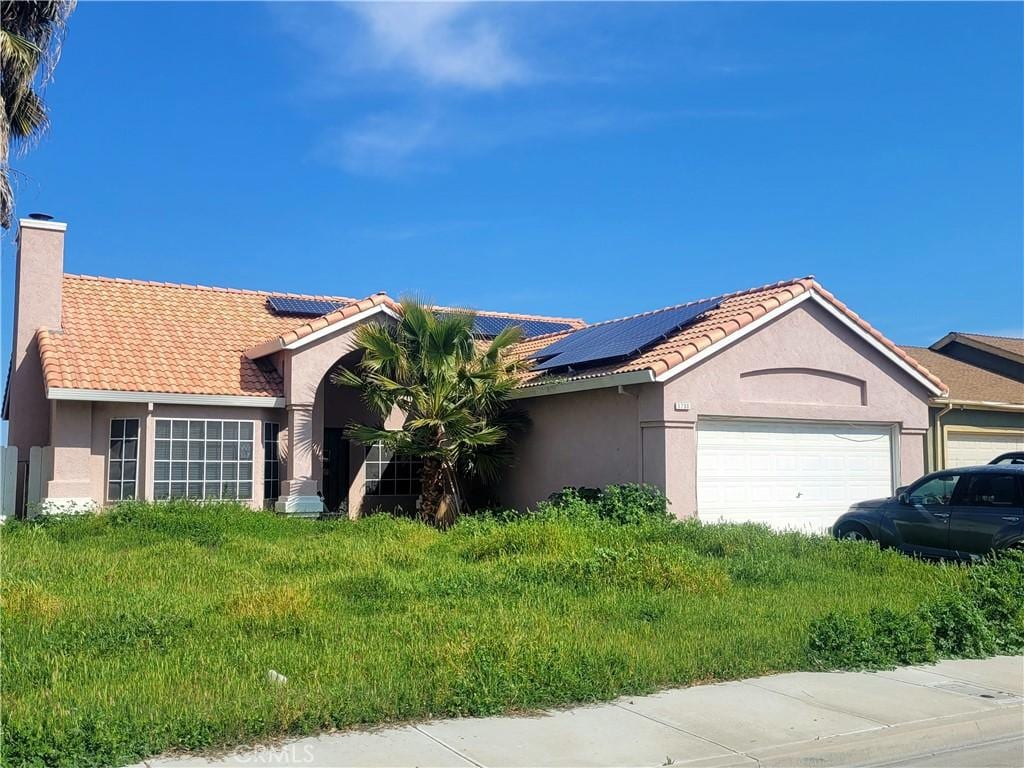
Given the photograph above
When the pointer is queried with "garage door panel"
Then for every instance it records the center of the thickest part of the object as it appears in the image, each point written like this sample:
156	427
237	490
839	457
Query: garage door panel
966	449
789	474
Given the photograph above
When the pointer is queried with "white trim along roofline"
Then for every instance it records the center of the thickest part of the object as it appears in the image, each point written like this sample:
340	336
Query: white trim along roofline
811	295
977	405
578	385
165	398
276	344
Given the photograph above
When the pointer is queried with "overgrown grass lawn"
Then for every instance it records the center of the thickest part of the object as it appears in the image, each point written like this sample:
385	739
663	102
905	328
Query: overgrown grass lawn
150	629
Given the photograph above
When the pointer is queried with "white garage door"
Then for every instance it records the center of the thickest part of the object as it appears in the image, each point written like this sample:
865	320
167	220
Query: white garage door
789	474
966	449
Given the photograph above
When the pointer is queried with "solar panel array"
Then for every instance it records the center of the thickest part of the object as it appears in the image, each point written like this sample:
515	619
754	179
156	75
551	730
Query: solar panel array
286	305
489	326
619	338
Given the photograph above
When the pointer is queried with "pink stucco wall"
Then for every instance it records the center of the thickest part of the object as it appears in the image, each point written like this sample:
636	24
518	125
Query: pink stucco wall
37	302
81	432
589	438
805	365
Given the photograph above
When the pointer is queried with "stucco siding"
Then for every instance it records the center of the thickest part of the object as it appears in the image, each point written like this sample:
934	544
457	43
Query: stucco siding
589	438
81	434
804	366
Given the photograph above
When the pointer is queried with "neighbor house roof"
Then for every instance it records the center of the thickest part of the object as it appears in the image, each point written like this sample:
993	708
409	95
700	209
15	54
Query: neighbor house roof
1010	347
734	312
969	383
136	336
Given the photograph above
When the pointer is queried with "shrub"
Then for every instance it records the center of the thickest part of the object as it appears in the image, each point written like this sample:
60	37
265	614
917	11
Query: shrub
628	504
840	641
901	638
959	628
997	588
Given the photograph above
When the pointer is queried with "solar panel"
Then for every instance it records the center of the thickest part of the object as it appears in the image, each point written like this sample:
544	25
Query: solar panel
286	305
489	326
619	338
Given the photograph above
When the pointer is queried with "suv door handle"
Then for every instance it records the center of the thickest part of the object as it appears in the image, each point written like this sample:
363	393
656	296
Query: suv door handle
941	515
1011	519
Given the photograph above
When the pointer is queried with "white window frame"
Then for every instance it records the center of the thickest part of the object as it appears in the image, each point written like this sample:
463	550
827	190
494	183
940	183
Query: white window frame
195	441
121	461
372	486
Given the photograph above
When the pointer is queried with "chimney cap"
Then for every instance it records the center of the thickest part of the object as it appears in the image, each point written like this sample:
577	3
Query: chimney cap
40	216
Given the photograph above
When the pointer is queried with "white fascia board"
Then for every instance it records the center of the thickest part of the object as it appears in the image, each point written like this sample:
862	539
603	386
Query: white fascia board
746	330
821	301
579	385
276	345
977	405
164	398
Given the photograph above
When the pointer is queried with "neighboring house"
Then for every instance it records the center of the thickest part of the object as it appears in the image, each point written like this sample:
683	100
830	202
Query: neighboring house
776	404
982	415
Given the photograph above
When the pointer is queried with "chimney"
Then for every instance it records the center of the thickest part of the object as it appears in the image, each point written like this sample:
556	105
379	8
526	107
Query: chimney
37	304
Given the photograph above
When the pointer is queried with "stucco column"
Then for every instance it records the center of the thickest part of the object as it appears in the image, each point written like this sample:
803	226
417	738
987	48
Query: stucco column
69	489
669	458
299	491
912	455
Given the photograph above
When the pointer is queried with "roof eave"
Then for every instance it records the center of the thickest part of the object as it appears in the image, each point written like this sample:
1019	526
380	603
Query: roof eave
976	405
294	340
645	376
970	341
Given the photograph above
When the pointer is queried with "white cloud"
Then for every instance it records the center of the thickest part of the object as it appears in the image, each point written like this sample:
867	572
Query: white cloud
383	145
440	43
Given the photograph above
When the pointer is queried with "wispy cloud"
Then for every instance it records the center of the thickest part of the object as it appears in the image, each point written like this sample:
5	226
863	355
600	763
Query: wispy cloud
443	44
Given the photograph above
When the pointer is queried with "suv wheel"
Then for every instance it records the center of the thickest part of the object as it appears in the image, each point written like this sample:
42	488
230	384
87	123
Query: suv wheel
853	532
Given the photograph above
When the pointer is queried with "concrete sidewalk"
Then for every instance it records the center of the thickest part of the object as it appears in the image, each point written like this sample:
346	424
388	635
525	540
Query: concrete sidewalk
956	713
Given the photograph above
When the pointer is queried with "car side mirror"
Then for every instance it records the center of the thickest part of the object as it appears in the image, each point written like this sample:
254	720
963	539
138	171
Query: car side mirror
903	498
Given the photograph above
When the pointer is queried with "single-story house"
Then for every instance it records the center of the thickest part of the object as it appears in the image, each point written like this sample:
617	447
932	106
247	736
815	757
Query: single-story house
982	414
776	403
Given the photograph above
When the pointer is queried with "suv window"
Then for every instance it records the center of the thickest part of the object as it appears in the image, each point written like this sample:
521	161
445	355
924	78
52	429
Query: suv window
938	490
988	490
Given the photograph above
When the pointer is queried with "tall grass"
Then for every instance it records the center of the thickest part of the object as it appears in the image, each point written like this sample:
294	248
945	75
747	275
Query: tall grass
153	628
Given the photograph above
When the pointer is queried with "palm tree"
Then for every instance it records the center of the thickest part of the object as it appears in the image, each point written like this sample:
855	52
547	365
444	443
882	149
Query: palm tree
453	389
31	34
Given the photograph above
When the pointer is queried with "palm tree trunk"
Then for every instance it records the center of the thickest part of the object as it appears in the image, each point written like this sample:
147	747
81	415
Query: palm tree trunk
432	495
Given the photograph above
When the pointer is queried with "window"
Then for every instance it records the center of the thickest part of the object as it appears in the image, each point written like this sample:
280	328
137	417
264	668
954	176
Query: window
271	462
123	459
388	474
988	490
198	459
938	491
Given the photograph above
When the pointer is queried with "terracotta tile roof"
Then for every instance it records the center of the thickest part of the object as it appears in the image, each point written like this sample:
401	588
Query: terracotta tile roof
735	311
1009	346
138	336
969	382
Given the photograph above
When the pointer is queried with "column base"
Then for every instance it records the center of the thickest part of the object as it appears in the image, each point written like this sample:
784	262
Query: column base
67	506
300	506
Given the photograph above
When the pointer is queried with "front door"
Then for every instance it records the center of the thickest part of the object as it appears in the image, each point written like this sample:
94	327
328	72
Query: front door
335	468
922	522
986	509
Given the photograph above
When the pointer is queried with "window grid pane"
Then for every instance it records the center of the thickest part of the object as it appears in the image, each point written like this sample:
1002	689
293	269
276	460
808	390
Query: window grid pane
389	474
122	469
271	461
194	455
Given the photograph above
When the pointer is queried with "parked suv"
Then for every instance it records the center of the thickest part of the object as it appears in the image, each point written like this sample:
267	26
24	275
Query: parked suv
961	513
1013	457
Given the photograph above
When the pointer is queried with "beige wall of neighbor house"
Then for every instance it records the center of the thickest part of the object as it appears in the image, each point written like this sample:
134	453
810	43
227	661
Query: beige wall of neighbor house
805	365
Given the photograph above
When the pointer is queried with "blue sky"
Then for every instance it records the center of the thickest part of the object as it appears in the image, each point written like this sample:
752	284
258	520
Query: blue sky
584	160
